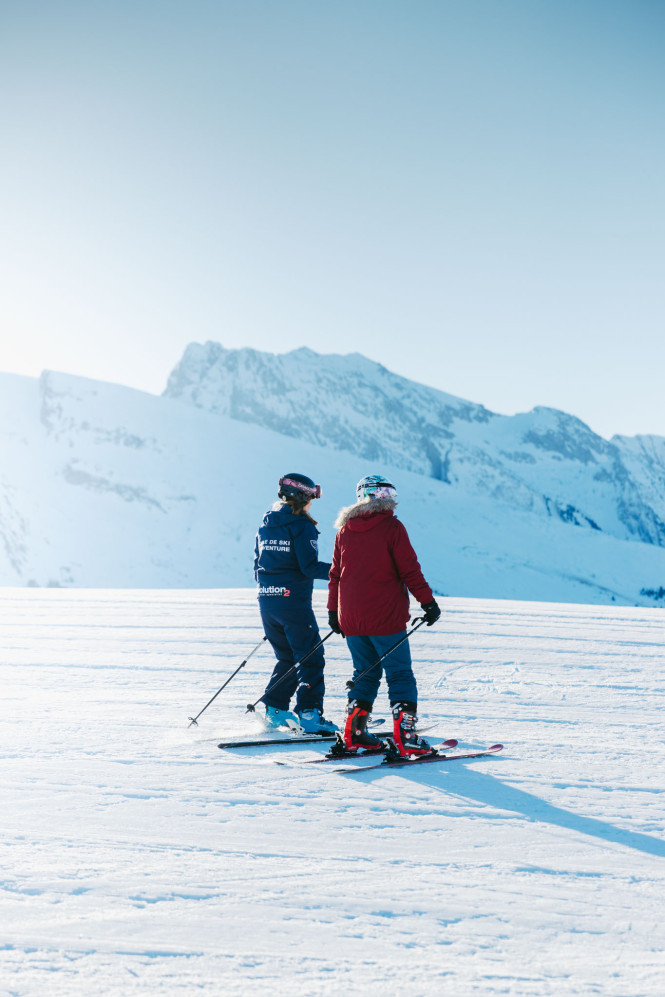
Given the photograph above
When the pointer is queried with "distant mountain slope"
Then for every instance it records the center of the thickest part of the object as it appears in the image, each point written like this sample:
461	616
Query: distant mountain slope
102	485
545	461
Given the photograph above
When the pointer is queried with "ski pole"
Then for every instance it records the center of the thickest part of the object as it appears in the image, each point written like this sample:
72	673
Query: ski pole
418	622
251	707
242	665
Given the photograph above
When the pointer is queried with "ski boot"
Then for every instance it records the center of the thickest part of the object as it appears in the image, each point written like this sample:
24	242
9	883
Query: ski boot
356	735
405	738
274	719
313	722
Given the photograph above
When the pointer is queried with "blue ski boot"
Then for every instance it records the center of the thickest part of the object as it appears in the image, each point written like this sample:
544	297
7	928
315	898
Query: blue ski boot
313	722
276	719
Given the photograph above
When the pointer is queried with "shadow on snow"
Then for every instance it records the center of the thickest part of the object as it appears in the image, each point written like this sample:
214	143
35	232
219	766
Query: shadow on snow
490	791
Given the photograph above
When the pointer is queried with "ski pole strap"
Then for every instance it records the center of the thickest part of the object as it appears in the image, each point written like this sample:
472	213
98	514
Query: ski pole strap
241	665
251	707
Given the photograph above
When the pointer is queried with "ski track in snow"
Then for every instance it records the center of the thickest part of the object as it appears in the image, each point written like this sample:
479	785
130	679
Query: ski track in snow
138	858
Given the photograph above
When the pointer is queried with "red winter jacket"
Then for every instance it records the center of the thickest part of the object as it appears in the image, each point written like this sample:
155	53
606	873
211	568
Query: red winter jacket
374	568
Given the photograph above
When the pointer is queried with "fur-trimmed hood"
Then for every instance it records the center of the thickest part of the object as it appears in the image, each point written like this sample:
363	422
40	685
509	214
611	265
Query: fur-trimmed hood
367	507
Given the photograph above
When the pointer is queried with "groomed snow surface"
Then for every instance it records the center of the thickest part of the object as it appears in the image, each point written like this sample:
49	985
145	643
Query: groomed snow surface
139	858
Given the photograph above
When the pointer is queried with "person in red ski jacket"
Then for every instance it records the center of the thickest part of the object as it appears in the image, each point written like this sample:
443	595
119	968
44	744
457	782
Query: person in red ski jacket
373	570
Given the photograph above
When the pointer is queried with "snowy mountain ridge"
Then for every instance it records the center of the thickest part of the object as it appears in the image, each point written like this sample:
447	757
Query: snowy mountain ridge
544	461
106	486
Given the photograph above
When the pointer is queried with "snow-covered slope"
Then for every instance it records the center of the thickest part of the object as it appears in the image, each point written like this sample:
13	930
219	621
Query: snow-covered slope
545	461
138	859
102	485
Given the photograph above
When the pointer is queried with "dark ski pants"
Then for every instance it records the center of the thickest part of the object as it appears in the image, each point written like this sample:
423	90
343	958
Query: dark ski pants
397	666
292	631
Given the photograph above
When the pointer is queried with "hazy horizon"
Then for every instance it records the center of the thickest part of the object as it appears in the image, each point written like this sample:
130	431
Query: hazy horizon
468	194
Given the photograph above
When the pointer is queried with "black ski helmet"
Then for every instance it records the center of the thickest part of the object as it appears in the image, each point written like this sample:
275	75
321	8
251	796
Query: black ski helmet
298	486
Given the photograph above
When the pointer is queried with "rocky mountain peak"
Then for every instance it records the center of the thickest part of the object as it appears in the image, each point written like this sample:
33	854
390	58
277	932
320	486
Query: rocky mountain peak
546	462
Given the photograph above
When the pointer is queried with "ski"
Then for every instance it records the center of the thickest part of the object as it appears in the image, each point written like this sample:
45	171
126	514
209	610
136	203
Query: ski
451	743
289	739
286	738
419	760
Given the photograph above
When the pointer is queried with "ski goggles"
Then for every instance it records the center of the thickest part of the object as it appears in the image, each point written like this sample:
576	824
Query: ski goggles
314	491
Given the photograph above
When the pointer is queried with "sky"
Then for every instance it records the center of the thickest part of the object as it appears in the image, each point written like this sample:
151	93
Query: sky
469	193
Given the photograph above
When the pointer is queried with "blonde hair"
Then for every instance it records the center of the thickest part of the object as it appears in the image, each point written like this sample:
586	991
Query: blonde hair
297	506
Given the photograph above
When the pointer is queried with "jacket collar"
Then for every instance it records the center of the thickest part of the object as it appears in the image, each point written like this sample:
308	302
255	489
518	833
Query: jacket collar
280	515
364	508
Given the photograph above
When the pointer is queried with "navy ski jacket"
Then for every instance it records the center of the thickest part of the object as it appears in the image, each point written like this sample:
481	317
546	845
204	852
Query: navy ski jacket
286	555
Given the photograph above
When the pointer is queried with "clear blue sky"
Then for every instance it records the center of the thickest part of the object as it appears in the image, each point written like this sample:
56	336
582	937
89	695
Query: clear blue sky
471	193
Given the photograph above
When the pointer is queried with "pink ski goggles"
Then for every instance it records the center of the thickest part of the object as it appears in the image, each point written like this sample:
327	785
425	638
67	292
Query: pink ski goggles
315	492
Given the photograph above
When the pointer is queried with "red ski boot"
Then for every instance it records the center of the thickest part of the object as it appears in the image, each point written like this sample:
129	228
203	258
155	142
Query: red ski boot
407	741
356	735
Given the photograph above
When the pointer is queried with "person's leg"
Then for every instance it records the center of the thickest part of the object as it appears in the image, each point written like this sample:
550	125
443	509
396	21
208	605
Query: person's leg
364	654
302	633
397	666
403	695
275	632
362	696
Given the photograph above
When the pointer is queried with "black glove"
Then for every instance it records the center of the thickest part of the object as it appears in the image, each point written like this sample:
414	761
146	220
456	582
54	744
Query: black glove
333	622
431	611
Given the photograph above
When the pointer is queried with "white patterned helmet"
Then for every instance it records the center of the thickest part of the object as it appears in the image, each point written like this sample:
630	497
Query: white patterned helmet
375	486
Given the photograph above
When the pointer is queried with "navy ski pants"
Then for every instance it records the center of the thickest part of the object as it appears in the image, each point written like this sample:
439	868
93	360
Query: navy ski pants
291	628
397	666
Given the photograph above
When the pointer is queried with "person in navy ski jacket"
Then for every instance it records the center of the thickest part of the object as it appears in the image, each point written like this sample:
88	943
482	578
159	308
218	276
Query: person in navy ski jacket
286	562
373	570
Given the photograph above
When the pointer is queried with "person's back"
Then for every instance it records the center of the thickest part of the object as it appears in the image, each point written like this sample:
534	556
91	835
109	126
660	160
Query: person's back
286	561
374	568
378	567
286	554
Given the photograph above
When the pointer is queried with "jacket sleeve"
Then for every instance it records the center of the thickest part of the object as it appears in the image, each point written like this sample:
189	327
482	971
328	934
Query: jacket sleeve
333	582
307	554
256	558
407	565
